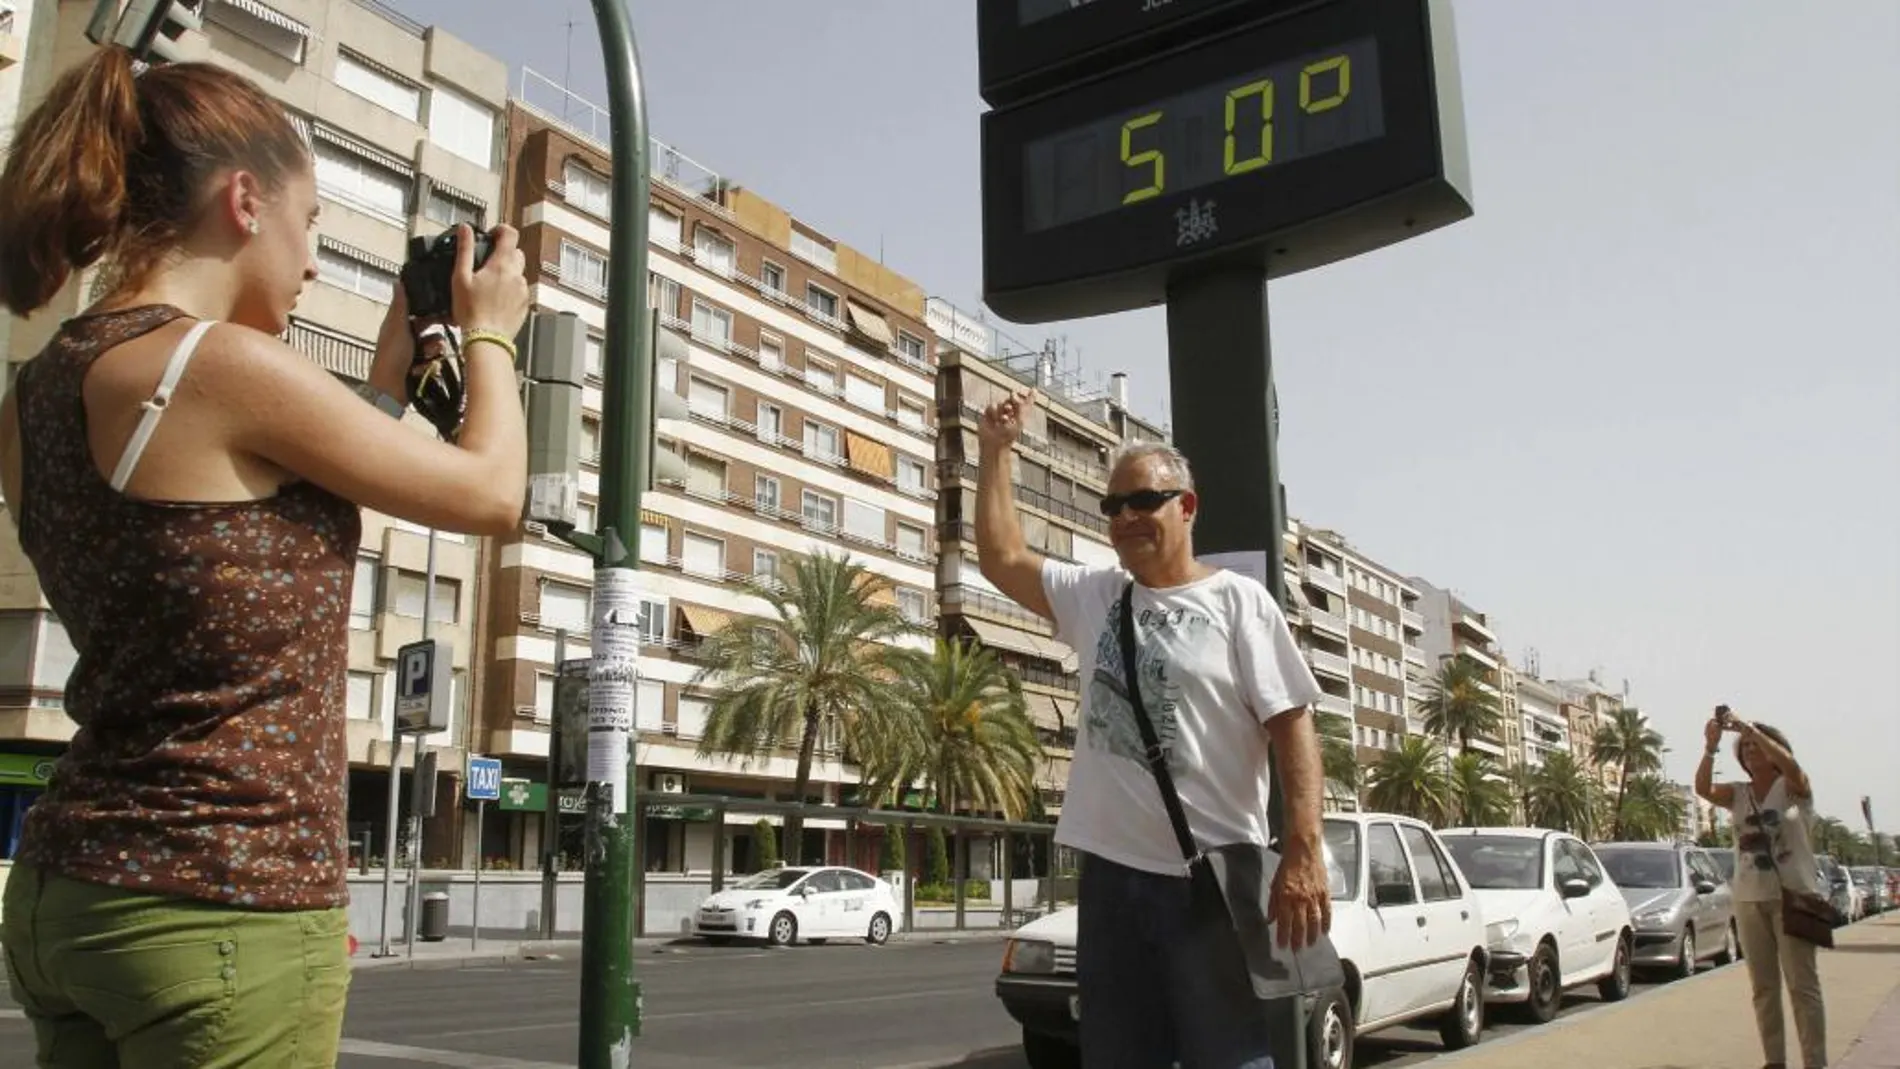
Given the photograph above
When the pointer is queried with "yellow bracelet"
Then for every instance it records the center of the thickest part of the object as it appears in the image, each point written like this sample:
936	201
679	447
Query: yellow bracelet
502	341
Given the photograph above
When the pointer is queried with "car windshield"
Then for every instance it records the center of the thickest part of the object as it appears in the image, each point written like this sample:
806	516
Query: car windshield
1499	862
1342	858
772	879
1645	867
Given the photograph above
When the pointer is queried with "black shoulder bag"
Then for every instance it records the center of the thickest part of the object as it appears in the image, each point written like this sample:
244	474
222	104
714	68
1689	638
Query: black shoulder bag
1229	885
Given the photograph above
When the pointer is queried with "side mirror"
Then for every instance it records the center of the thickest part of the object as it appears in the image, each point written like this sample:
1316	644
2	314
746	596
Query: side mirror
1575	887
1393	894
1704	887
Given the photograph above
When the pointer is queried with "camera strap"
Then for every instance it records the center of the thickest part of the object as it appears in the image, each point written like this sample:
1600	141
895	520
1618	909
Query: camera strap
155	405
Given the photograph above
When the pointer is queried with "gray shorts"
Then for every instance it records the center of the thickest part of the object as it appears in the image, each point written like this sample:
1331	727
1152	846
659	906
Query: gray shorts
1150	997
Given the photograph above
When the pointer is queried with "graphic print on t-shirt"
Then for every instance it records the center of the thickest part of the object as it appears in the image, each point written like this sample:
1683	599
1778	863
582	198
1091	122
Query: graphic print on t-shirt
1162	639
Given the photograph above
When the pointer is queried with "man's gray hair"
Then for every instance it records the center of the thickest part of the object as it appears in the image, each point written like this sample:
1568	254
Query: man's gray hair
1166	457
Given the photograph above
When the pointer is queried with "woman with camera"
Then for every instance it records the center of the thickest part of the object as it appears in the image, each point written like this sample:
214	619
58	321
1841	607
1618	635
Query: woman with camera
1771	812
187	487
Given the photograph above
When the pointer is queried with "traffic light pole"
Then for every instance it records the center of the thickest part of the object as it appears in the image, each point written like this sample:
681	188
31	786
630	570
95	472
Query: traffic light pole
610	995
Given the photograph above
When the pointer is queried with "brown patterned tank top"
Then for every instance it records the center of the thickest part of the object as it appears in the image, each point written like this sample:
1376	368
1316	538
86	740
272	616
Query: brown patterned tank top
211	757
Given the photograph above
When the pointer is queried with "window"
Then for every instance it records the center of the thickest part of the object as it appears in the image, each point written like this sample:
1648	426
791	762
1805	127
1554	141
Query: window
813	251
584	189
690	718
821	300
771	423
650	706
712	325
765	492
664	294
348	273
543	697
820	441
444	608
821	375
771	353
653	543
652	622
462	126
771	277
910	541
910	347
863	521
712	251
445	210
1386	861
594	356
275	32
370	82
362	696
910	413
820	510
708	399
663	226
1435	879
566	608
586	515
590	440
706	476
364	590
583	269
703	556
913	605
910	475
863	392
345	176
765	564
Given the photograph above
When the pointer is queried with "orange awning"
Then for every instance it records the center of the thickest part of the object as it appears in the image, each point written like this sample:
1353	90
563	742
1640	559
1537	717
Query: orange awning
869	457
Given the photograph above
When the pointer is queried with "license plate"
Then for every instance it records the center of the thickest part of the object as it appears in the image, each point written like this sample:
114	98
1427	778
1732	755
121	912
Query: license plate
1075	1008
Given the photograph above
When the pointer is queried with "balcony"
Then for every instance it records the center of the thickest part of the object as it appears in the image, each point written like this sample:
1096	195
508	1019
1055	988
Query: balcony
1330	663
1330	623
1487	746
1336	705
1471	623
1479	654
1414	655
1325	580
1412	621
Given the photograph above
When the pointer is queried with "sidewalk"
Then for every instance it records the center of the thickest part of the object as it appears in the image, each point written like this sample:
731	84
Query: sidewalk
456	953
1706	1023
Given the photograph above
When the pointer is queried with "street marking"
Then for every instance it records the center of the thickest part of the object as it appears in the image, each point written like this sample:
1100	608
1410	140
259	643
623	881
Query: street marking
462	1059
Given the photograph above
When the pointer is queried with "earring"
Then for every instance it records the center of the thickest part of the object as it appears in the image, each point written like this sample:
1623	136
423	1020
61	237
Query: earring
251	225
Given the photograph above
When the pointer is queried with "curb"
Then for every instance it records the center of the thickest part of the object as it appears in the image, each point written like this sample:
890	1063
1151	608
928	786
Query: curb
566	949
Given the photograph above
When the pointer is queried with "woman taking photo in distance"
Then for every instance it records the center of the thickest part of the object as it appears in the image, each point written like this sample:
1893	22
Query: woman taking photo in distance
178	900
1772	811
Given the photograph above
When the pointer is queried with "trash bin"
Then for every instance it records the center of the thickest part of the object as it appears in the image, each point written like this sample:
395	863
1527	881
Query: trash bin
435	917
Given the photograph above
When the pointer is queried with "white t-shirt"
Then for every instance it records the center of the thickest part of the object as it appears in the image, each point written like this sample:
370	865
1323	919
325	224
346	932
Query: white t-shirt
1216	661
1788	819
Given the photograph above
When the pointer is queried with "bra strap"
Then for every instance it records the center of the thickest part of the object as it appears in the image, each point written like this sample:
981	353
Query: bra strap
155	406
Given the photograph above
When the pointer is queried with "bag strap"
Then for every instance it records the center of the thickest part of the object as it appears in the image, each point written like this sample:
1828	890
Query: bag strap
1156	757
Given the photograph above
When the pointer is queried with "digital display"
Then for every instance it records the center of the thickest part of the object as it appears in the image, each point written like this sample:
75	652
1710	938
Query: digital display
1301	107
1028	11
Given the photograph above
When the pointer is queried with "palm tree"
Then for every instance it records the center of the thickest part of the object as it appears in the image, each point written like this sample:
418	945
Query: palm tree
1339	759
1482	796
821	657
1831	836
1627	742
1521	780
1651	808
1457	704
970	741
1411	780
1564	796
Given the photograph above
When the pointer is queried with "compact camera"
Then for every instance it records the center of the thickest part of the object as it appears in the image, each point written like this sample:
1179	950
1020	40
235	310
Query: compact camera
434	382
428	278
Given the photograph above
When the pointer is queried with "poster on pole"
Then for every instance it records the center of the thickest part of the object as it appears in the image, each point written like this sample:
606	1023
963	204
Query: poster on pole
1251	563
611	679
570	719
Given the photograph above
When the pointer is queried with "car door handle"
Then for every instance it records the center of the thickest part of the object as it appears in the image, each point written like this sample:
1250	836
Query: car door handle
1464	914
1421	921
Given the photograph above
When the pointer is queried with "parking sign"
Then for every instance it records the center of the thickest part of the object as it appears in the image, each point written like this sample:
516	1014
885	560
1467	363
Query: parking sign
422	687
484	779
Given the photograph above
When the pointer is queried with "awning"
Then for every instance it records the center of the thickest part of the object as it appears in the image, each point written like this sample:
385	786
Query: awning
869	323
269	14
869	457
462	195
351	252
703	621
364	149
657	519
1043	711
1009	638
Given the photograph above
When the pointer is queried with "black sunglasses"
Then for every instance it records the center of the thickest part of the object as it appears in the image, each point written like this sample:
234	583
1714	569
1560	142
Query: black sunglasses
1139	500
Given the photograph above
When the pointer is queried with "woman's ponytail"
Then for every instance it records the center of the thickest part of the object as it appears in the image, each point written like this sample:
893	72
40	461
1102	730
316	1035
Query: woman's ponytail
63	193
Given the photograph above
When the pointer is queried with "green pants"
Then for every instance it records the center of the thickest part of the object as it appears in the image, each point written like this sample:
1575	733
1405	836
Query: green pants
110	979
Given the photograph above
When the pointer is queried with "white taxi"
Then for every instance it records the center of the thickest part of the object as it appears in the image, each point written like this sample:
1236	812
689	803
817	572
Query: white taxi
814	903
1556	920
1407	927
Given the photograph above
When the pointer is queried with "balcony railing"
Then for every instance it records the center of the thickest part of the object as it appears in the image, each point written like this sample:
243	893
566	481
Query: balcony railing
1330	662
1336	705
1414	655
1327	621
1325	580
1094	521
1412	621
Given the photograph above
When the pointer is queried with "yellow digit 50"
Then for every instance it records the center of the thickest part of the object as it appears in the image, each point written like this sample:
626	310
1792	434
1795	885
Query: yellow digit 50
1263	87
1312	105
1158	180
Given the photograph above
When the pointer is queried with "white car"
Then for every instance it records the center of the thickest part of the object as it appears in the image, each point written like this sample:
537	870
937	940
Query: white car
1555	920
784	905
1407	927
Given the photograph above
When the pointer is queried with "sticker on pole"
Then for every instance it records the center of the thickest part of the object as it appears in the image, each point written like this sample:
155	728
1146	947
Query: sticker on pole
611	681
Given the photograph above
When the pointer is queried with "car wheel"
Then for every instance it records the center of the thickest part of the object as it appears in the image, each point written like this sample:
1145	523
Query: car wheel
1546	992
1686	960
783	930
1050	1052
1329	1032
1731	946
880	930
1616	986
1463	1025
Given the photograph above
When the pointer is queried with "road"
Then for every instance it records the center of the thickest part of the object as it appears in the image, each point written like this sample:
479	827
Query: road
842	1006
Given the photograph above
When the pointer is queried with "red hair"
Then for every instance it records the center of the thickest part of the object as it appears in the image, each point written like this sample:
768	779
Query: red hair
114	163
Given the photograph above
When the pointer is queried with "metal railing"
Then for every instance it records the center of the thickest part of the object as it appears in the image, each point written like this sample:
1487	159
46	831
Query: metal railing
396	18
1331	621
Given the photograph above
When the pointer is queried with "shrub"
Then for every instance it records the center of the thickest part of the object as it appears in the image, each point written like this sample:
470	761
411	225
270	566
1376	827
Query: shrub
765	844
936	858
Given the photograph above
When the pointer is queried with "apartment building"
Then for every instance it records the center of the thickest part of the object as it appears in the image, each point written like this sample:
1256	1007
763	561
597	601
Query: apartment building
1455	629
1592	705
1542	719
810	377
404	123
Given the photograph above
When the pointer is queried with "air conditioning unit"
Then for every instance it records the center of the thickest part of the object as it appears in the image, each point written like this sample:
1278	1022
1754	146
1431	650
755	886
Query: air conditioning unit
667	783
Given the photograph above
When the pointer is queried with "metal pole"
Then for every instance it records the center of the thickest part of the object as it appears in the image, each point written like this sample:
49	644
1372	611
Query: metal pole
610	995
475	907
389	831
416	783
551	813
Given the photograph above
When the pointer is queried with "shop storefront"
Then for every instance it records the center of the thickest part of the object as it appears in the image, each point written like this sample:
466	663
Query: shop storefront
22	777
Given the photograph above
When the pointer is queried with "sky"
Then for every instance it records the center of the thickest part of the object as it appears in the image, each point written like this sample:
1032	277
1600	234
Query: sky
1642	409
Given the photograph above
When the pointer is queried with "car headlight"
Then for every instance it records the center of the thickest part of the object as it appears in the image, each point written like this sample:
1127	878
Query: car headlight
1500	933
1655	918
757	903
1029	956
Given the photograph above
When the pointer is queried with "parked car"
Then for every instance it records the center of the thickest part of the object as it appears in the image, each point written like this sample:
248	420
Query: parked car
1838	886
1680	905
1406	924
1555	920
783	905
1874	887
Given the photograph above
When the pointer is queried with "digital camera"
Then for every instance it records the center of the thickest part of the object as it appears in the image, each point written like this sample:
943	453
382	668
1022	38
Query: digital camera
428	277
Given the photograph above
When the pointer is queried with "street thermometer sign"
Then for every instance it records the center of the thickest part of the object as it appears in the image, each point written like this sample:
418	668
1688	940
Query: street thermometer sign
1140	140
